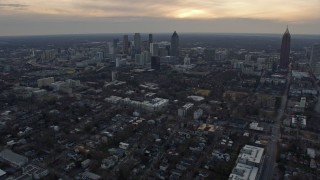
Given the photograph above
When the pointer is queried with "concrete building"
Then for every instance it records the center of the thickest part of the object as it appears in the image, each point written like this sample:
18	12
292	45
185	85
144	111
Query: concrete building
155	62
197	114
2	173
113	99
45	81
58	85
100	56
154	49
125	44
137	43
182	112
13	158
316	69
285	50
175	44
145	58
150	39
251	155
34	171
299	121
209	54
153	105
315	56
90	176
244	172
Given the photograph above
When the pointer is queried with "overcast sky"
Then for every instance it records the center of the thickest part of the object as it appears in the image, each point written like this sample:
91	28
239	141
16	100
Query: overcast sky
37	17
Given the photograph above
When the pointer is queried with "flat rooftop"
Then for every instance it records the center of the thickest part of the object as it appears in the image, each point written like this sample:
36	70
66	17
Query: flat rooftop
244	172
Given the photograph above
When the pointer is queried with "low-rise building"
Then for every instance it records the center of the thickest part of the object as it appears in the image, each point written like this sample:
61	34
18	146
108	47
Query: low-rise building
45	81
251	155
244	172
182	112
13	158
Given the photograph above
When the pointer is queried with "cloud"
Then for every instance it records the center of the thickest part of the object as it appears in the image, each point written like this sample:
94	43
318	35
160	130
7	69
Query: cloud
158	15
47	24
18	6
284	10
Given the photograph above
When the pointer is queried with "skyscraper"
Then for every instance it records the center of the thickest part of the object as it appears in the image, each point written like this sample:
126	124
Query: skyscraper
125	44
115	46
154	49
155	62
315	56
150	39
209	54
137	42
285	49
175	44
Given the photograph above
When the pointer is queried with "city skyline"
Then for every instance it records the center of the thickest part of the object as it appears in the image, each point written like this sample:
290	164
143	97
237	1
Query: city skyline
80	17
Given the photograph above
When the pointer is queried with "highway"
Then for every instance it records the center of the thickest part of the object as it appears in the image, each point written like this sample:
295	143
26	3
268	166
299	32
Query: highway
271	151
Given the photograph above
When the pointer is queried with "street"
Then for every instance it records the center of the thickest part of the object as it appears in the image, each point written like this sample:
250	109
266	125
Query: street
271	151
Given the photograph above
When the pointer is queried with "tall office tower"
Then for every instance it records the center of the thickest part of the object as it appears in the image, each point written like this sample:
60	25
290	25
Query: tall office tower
150	39
285	49
163	52
125	44
118	62
137	43
137	59
144	46
175	44
154	49
155	62
115	46
209	54
145	58
315	56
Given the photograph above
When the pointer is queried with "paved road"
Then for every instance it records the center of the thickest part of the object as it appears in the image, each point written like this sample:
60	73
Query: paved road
271	152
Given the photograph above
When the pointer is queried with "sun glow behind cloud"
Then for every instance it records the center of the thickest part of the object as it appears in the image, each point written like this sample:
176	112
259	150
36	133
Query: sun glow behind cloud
19	17
285	10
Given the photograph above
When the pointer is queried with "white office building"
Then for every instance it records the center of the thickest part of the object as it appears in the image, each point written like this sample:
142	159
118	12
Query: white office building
154	49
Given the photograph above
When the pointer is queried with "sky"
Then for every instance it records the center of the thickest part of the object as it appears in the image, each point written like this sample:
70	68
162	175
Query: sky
41	17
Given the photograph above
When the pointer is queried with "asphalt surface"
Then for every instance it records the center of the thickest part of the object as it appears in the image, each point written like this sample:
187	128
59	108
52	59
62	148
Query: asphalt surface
271	151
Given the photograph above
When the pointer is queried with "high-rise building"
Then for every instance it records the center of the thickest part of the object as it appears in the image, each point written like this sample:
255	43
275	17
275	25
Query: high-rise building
150	39
315	56
125	44
175	44
115	46
144	46
155	62
137	43
209	54
154	49
138	59
100	56
145	58
285	50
